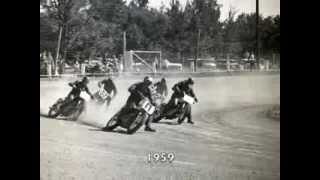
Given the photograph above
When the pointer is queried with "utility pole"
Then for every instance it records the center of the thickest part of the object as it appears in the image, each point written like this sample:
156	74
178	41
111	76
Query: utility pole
58	50
124	51
257	34
124	43
65	51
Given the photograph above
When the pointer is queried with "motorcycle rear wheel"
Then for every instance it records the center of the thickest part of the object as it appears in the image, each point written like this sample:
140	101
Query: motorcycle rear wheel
111	125
183	113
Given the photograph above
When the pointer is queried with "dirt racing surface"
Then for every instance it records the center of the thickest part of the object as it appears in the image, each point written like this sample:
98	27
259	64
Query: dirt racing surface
232	137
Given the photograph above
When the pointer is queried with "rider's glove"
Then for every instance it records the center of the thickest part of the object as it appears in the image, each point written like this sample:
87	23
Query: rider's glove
92	97
196	99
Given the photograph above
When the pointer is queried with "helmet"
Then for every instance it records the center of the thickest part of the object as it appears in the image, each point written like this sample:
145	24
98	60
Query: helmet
190	81
148	80
85	79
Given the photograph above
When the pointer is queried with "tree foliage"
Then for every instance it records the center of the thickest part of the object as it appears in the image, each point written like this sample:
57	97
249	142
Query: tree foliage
95	27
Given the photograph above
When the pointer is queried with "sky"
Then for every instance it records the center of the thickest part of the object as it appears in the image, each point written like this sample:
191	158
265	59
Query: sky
267	7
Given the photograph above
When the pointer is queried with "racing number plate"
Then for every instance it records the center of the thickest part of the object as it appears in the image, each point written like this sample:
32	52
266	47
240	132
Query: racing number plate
188	99
148	107
103	94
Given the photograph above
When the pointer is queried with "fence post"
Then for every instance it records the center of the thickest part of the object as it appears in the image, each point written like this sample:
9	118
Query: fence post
228	63
49	69
83	68
267	65
273	59
192	66
154	66
241	67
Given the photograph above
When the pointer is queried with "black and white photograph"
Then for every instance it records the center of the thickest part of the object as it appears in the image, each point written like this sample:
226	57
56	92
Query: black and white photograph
160	89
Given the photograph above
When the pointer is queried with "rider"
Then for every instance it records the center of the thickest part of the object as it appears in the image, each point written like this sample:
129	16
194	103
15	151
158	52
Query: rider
179	89
161	87
110	87
139	91
77	88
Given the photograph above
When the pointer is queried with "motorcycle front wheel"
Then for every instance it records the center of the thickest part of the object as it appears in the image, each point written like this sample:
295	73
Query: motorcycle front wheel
186	109
53	113
78	112
136	124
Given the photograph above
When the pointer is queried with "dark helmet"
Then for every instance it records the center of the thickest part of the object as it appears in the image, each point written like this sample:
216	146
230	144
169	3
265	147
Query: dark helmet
190	81
85	79
148	80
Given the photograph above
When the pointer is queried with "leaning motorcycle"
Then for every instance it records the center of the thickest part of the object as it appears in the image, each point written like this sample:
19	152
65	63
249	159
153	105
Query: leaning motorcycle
133	120
181	111
101	96
71	109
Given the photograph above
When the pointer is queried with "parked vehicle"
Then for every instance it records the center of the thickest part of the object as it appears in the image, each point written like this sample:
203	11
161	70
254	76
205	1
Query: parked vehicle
169	65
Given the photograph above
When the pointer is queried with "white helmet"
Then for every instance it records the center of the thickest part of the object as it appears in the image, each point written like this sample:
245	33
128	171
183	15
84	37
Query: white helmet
148	79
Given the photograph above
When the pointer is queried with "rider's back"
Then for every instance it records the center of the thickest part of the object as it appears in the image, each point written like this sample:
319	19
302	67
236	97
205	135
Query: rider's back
134	92
109	85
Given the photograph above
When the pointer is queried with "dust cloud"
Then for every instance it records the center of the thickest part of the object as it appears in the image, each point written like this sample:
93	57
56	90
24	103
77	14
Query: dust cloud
213	93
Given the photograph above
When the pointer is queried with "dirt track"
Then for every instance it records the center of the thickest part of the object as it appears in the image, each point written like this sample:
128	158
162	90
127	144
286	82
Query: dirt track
232	137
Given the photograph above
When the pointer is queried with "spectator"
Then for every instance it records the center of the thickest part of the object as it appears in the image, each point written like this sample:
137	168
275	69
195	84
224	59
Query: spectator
252	61
121	64
247	55
115	63
61	67
77	65
156	63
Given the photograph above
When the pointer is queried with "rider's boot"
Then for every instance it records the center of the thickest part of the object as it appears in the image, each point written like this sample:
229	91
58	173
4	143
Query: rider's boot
148	128
190	120
180	121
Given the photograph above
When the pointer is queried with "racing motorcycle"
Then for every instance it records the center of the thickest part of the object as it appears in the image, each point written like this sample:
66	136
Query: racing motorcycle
101	96
67	108
133	120
181	111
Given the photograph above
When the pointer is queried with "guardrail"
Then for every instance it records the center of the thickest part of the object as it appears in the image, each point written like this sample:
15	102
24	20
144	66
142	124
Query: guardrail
164	74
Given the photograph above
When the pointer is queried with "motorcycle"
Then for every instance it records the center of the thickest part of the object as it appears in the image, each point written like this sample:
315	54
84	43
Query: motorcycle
67	108
101	96
133	120
181	111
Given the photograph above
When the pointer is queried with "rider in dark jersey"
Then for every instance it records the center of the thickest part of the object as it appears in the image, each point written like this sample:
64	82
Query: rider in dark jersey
77	88
161	87
138	91
179	89
110	87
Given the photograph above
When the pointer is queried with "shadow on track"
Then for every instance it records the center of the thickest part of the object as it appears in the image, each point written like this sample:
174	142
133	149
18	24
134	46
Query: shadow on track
44	115
120	131
57	118
168	123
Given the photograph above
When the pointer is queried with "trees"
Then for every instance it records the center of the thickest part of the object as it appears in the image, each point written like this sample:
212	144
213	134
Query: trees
95	27
174	32
270	36
48	35
204	17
